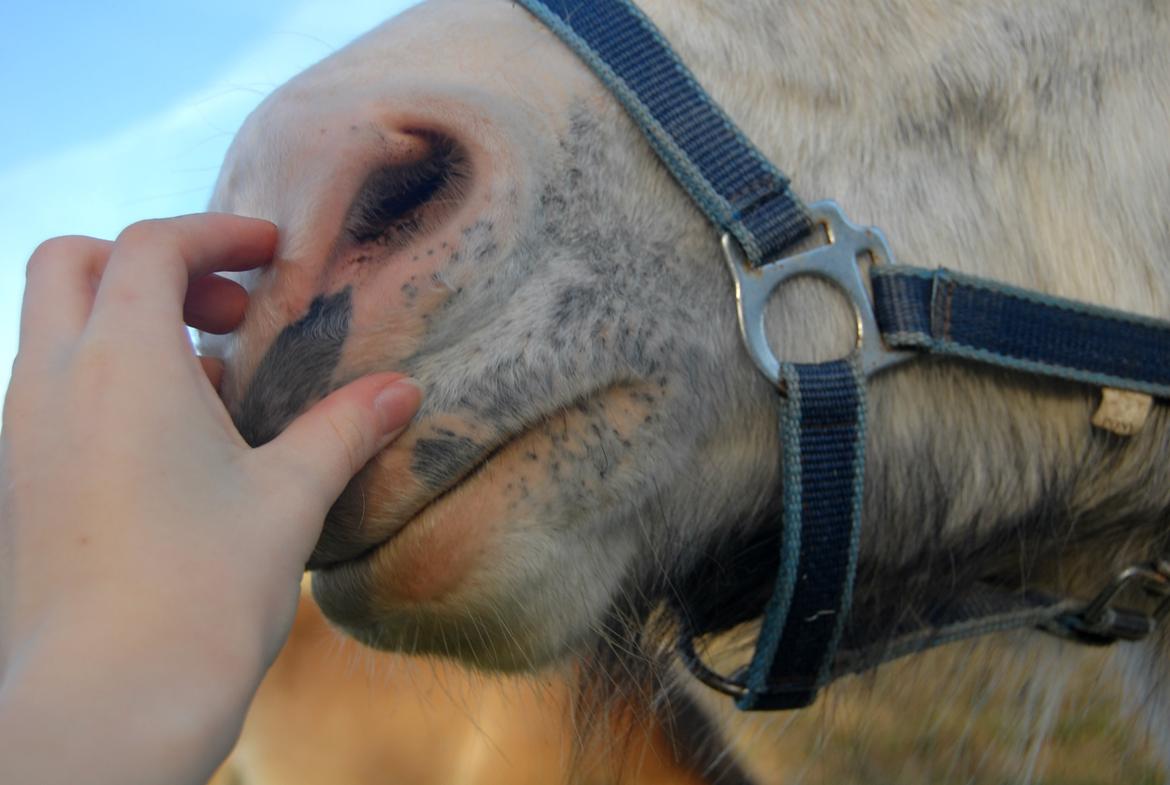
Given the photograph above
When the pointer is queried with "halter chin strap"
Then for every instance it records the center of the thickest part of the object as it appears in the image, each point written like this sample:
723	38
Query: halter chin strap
902	312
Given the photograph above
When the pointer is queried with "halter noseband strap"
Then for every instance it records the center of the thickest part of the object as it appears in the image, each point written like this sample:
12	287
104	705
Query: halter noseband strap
902	312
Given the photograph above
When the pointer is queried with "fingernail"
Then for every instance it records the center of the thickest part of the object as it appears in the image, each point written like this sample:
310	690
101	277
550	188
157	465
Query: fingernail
397	403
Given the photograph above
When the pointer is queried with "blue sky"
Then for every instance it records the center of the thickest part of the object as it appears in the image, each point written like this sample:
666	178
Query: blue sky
118	111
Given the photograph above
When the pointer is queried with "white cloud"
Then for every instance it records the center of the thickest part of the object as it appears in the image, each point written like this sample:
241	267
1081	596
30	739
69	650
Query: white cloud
162	165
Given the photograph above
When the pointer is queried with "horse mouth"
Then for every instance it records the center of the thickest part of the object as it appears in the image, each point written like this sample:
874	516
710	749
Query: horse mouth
440	461
453	538
448	539
337	556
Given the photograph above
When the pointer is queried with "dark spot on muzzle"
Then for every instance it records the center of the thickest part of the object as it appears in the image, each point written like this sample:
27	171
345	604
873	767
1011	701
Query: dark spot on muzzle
440	460
296	370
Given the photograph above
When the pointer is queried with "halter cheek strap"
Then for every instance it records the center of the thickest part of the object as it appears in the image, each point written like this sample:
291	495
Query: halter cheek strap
730	180
902	313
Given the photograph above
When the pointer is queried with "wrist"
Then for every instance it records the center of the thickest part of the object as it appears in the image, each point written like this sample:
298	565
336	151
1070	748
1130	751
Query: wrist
116	705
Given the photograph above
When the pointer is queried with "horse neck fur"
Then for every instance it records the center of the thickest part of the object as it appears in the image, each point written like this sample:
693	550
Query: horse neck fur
1021	140
1018	140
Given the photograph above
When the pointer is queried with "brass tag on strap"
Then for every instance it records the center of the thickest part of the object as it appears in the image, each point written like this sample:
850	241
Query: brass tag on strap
1122	412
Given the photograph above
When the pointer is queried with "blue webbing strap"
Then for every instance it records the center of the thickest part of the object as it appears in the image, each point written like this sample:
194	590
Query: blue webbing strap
823	418
735	185
958	315
823	439
982	609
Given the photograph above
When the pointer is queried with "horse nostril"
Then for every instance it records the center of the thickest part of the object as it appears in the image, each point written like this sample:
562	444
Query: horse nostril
402	199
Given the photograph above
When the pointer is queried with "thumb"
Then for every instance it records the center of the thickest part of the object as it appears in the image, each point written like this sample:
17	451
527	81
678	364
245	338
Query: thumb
333	440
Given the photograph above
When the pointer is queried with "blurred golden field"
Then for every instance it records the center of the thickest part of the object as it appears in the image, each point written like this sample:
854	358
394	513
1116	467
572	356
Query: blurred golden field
990	713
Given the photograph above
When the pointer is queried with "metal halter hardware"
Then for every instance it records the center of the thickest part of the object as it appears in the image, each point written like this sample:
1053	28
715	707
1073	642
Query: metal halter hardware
1102	622
733	686
839	261
900	312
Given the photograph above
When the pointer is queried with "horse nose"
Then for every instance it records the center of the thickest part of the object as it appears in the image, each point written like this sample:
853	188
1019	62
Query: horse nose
342	280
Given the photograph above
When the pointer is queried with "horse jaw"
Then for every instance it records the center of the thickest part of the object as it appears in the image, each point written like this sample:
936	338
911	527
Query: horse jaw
560	315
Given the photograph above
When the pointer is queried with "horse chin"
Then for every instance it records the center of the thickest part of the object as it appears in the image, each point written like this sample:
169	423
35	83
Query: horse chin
477	572
443	584
426	558
454	560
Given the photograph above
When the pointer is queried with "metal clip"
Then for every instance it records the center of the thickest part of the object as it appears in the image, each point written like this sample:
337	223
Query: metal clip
839	262
1101	622
733	686
774	697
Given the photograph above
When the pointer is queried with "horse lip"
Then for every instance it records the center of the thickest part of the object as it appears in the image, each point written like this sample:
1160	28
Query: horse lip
338	557
340	554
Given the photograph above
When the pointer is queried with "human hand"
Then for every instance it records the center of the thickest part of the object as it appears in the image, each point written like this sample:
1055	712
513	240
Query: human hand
141	540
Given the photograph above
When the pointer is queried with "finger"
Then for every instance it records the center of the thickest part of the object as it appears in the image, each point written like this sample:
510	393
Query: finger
213	367
215	304
60	282
327	445
153	261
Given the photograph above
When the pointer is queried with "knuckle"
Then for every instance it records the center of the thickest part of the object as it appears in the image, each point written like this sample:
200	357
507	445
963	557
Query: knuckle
146	232
55	251
160	238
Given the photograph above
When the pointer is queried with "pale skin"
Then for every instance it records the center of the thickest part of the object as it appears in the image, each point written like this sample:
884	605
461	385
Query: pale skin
149	558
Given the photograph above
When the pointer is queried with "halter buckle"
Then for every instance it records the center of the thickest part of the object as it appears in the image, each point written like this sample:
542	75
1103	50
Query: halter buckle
840	261
1102	622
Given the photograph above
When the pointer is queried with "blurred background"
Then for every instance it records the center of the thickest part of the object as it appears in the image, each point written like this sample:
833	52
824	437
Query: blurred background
123	110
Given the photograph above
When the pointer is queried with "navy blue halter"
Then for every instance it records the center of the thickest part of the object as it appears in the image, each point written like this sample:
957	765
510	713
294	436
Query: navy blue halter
822	406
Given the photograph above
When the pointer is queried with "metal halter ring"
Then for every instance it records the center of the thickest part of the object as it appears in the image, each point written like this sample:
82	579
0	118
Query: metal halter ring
1101	622
735	686
838	261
